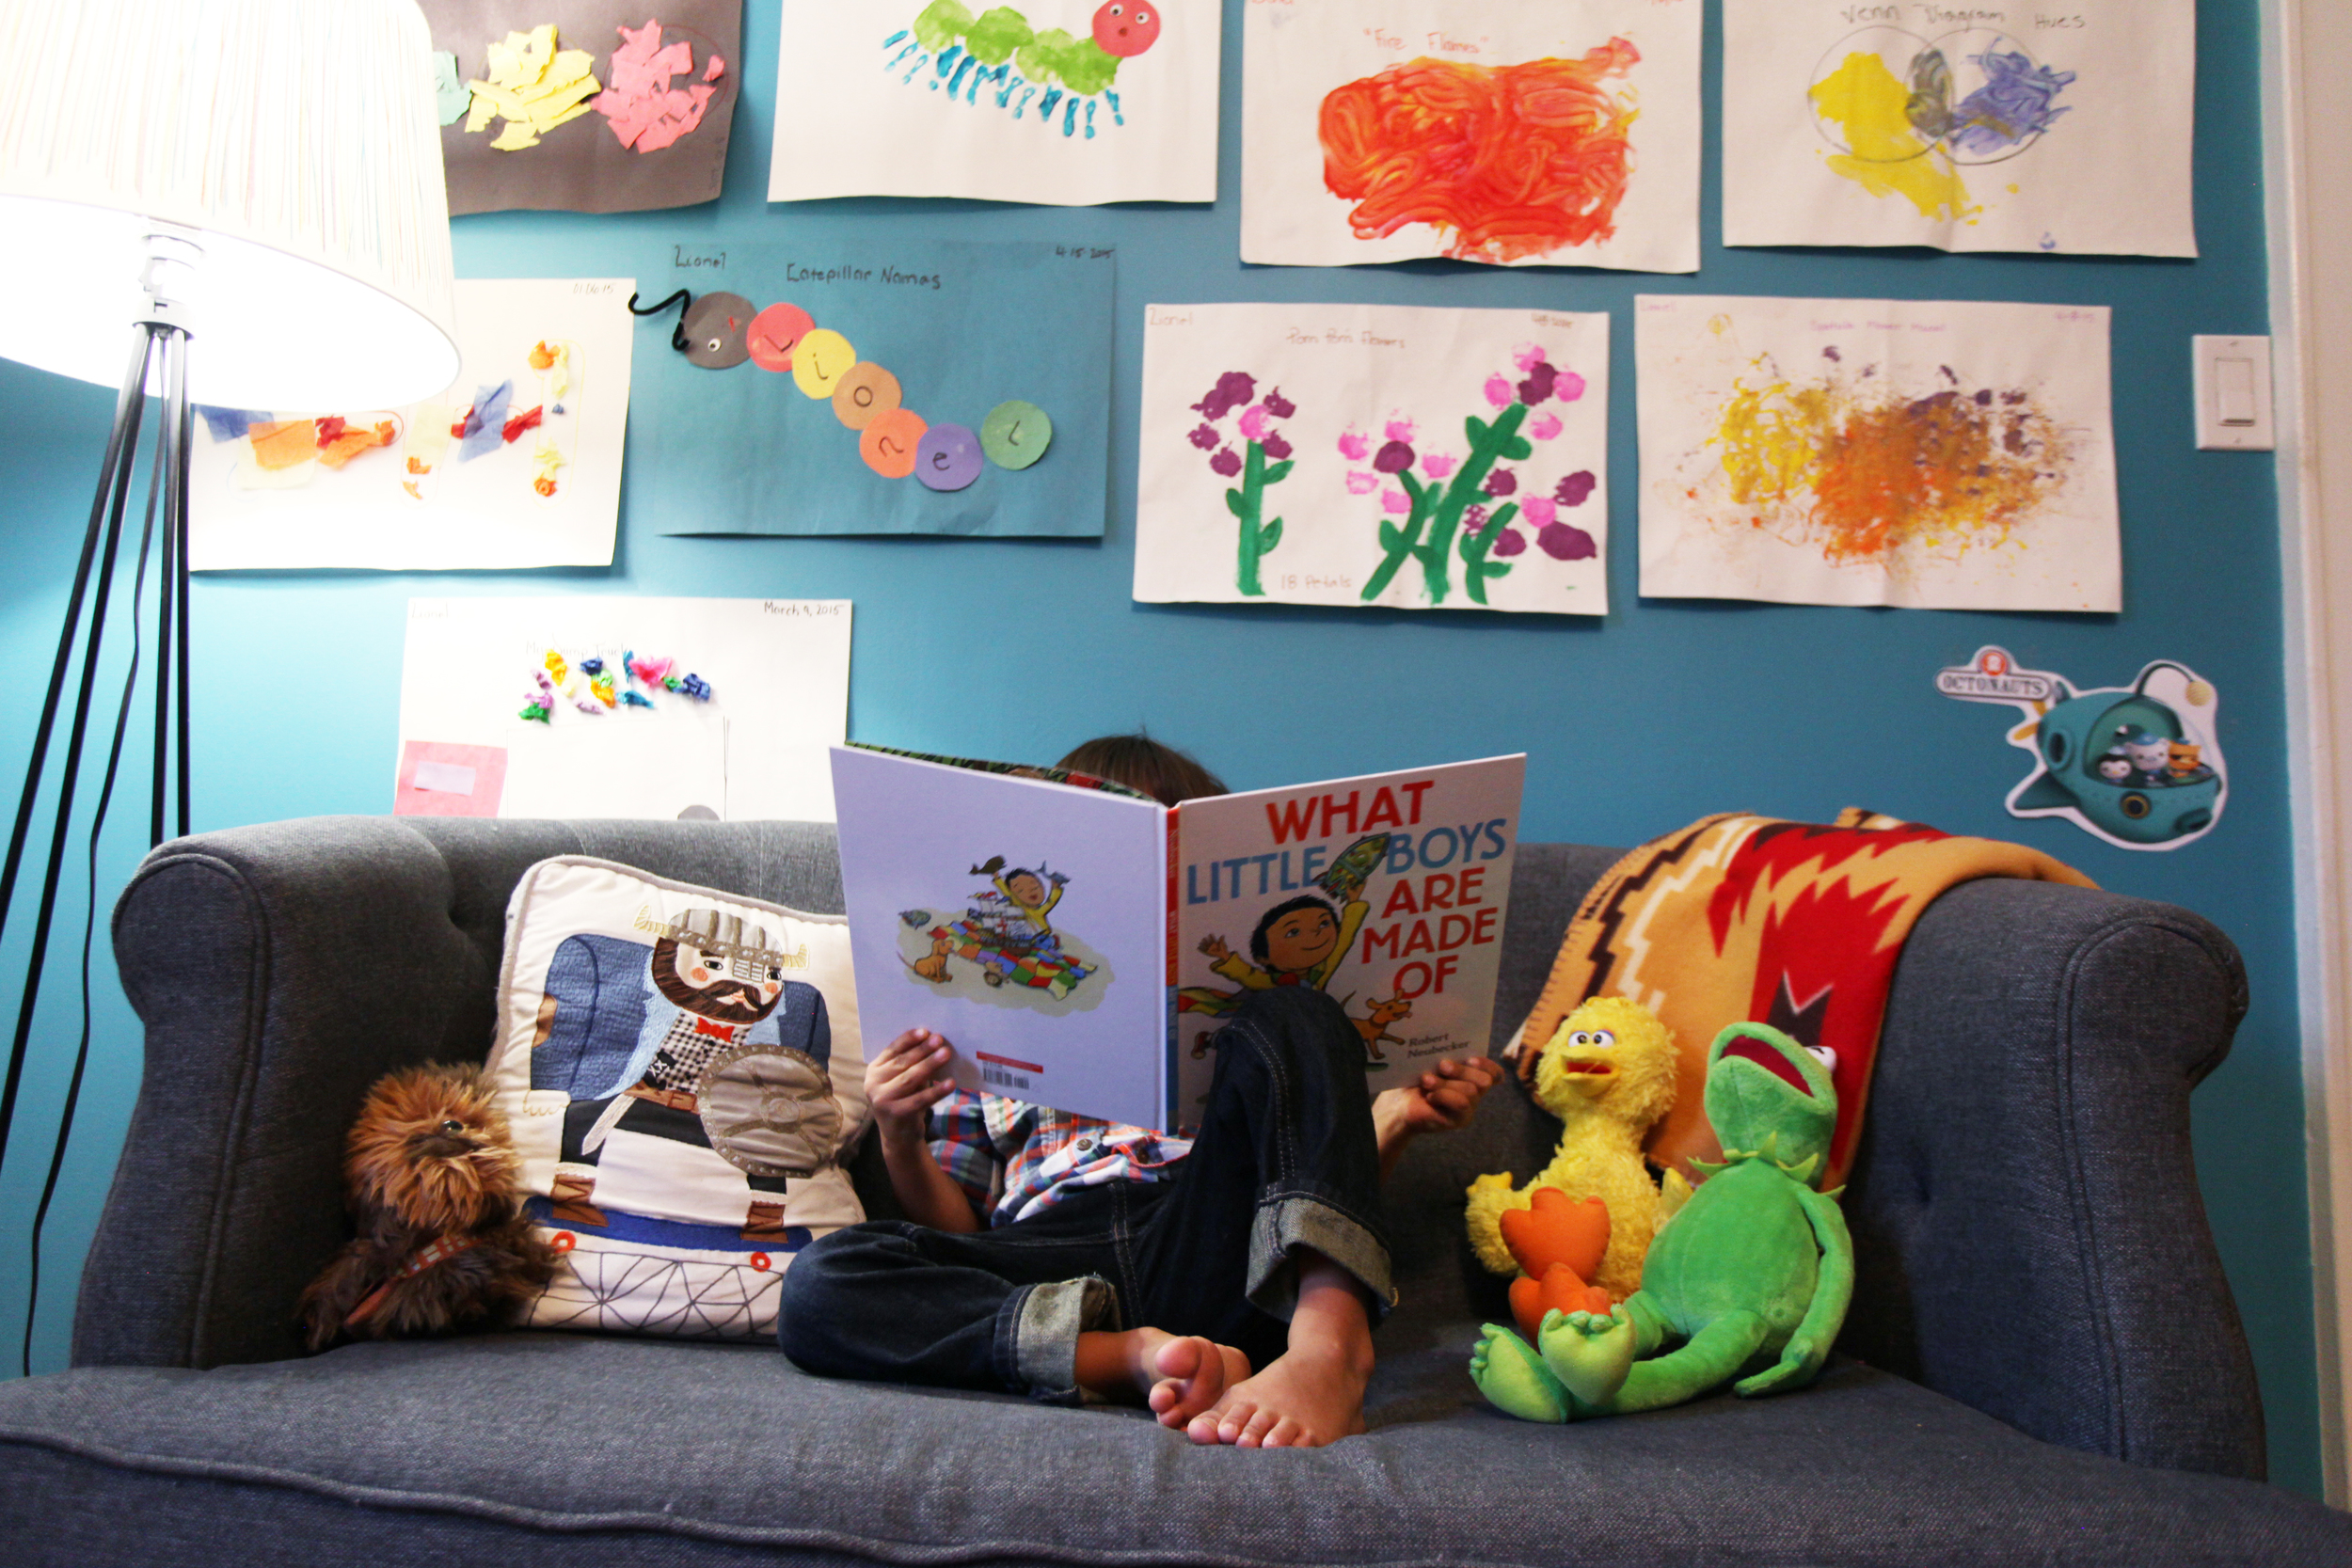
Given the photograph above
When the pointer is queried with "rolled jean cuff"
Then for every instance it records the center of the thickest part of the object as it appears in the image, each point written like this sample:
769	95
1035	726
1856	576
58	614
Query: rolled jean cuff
1296	1222
1037	1336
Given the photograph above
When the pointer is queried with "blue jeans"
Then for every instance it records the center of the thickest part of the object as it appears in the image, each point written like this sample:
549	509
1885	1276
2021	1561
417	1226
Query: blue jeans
1285	1163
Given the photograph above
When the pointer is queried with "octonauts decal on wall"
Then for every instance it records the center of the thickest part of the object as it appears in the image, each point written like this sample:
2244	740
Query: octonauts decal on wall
2139	766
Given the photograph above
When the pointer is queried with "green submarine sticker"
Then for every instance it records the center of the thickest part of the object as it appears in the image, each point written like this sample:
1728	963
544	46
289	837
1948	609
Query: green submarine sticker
2137	765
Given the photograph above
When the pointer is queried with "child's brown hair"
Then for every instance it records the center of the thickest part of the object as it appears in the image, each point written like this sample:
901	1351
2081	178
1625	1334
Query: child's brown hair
1139	762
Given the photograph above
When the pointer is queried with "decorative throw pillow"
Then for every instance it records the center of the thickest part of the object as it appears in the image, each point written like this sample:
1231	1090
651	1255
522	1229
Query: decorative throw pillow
682	1072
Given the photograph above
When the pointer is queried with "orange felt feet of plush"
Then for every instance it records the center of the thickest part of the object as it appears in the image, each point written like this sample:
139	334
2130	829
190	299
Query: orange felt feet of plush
1557	1228
1561	1288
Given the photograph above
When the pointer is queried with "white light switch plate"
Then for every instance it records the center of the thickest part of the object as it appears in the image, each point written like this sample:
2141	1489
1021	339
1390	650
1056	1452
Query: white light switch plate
2233	412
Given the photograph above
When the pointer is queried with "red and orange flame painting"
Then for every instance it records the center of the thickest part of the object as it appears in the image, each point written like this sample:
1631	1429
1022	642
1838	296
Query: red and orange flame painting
1515	161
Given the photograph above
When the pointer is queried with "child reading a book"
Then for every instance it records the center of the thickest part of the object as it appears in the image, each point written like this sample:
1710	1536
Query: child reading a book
1230	1282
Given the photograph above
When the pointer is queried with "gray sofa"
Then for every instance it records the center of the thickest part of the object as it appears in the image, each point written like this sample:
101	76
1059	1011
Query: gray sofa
2042	1363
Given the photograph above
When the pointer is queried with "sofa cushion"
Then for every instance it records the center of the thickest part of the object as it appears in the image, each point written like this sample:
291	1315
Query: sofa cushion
713	1449
682	1070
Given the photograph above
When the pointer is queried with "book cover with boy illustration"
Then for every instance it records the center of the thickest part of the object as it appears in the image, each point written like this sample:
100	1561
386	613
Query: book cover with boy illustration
1081	946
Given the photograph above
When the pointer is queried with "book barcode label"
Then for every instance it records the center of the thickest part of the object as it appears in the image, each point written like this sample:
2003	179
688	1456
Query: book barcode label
1003	1079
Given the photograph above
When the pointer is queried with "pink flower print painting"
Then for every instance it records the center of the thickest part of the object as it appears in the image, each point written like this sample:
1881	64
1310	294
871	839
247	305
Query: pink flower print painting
1468	508
1263	461
1355	445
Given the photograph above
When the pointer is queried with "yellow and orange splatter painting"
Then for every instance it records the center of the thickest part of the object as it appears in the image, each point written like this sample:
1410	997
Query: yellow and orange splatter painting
1866	475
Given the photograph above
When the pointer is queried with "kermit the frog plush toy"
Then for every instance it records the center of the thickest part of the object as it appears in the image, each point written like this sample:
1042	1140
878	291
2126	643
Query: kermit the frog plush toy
1749	1279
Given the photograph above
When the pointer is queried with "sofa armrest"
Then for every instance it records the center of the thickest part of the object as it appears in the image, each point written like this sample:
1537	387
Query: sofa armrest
280	970
2026	1221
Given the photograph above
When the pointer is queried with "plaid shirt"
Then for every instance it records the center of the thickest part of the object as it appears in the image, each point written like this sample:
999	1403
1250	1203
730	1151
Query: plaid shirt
1014	1158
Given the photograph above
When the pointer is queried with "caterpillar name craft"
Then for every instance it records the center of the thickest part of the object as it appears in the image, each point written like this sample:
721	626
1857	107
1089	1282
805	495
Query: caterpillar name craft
719	331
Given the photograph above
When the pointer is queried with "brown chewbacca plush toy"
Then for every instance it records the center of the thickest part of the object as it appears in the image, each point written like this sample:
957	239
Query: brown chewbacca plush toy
431	1172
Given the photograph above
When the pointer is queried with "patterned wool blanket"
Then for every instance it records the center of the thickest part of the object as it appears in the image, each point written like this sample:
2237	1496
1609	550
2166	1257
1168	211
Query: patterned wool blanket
1742	918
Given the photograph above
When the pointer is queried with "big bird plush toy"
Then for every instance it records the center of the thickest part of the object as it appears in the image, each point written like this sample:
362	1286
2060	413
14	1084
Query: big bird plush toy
1608	1073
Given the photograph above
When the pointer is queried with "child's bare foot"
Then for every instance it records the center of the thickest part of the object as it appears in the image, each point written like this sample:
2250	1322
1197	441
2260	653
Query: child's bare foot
1178	1377
1194	1373
1304	1399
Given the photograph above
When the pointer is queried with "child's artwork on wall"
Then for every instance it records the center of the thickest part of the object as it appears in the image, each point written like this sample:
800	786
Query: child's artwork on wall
1937	455
584	105
516	464
1522	133
610	706
2139	766
1365	454
1964	129
1061	103
880	386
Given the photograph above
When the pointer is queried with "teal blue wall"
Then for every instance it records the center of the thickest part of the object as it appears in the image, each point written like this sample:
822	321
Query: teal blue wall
1633	724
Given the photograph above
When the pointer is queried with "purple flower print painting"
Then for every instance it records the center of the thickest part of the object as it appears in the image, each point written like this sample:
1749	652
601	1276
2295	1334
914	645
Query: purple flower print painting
1263	461
1466	504
1375	457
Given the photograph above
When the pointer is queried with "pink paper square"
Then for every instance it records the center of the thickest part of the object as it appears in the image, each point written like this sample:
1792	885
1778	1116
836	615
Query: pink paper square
439	778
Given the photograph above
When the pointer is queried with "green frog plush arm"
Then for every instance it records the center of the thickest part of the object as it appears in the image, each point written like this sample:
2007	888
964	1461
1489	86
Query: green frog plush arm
1756	1270
1801	1357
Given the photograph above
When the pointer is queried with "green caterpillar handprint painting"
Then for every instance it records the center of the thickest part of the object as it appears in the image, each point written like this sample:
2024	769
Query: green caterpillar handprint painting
999	56
1056	102
1373	456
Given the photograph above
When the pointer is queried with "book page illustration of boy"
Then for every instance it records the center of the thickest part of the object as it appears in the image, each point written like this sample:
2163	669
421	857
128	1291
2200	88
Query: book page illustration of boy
1006	935
1299	942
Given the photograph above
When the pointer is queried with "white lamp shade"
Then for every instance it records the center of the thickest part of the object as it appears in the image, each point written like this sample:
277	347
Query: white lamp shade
296	140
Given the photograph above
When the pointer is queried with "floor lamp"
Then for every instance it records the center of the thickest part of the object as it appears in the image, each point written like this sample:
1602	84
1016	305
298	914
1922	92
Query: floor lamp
252	190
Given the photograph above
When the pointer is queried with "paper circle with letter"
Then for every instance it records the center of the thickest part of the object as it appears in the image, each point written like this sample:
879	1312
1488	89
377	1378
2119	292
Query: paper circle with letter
776	333
1015	433
769	1110
820	361
717	327
948	457
889	444
864	394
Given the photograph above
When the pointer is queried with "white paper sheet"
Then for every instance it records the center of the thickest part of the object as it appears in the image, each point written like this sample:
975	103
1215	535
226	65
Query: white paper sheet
1964	128
1582	148
1854	452
926	97
1351	454
778	671
549	495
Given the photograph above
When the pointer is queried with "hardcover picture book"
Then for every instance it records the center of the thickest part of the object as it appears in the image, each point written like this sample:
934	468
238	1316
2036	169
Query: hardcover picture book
1080	945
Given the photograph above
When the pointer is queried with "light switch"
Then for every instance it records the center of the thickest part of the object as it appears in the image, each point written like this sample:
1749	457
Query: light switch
2233	390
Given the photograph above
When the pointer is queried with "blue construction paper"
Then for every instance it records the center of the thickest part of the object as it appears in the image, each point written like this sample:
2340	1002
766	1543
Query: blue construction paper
965	327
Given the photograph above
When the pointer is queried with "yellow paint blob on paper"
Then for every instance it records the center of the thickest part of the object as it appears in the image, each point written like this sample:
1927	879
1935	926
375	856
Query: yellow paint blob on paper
1860	475
1887	155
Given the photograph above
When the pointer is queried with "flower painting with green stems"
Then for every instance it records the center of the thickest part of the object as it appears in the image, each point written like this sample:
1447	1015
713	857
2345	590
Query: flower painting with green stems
1366	456
997	59
1262	462
1471	502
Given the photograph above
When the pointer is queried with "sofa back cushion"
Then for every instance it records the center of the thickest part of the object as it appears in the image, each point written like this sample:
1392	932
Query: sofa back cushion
682	1069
